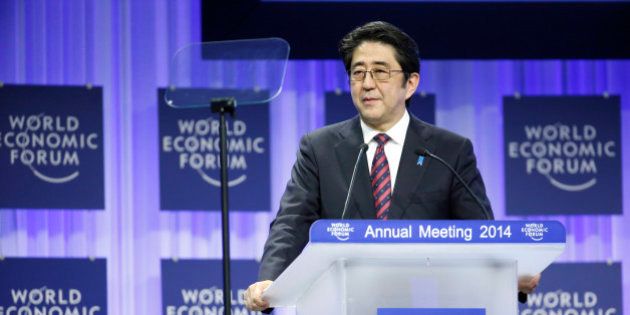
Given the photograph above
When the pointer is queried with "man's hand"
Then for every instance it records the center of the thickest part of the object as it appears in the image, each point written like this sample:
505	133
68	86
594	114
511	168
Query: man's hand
253	296
527	284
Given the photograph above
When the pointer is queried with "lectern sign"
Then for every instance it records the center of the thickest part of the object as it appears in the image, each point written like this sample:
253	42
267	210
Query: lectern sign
431	311
402	231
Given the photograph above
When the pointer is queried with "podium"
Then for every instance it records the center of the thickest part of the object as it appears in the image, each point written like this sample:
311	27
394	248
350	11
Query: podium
352	267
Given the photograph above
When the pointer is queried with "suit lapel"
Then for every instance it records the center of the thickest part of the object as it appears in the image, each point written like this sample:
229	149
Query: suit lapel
410	174
346	150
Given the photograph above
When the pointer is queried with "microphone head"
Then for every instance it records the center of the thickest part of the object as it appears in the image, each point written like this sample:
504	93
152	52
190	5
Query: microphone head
363	146
422	152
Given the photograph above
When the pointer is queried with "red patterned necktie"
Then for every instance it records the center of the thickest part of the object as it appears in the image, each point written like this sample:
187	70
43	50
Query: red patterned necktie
381	181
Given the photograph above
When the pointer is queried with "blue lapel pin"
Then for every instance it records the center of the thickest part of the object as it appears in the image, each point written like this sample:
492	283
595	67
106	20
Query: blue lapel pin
420	160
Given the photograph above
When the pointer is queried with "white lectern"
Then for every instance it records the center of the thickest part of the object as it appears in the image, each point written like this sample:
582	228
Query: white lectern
415	267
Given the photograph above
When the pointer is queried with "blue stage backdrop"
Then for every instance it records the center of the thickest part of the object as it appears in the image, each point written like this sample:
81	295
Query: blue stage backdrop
51	147
562	155
53	286
194	286
577	288
190	160
339	107
126	47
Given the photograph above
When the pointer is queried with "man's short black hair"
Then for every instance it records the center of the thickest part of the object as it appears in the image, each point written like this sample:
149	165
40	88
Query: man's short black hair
382	32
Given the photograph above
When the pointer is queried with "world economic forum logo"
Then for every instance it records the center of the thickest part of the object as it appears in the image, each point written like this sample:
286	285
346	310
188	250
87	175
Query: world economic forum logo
190	158
562	154
562	149
535	231
340	230
33	286
197	145
45	142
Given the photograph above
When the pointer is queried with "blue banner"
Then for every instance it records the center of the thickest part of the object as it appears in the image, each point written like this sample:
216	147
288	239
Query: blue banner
53	286
339	107
51	147
562	155
190	158
431	311
577	288
452	231
195	286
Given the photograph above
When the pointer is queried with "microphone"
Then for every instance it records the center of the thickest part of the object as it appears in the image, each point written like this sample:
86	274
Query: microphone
362	149
522	297
424	152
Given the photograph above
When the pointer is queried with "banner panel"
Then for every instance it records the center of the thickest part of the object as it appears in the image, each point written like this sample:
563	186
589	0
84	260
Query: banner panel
562	155
577	288
53	286
51	147
190	158
195	286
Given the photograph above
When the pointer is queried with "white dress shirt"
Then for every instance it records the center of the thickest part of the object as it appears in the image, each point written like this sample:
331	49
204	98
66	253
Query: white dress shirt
393	147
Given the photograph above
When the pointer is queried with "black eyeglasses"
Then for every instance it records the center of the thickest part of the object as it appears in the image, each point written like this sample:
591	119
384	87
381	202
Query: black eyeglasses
378	74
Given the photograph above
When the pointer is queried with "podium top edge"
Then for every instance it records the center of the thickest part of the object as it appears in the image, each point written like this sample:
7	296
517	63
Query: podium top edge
437	231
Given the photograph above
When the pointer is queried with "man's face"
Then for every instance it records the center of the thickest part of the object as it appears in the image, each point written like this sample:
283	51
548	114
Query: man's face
380	103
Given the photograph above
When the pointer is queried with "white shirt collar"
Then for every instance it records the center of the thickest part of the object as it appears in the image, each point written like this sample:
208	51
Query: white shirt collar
396	133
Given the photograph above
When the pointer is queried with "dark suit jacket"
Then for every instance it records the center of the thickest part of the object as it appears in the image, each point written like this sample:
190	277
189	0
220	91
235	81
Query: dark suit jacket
321	176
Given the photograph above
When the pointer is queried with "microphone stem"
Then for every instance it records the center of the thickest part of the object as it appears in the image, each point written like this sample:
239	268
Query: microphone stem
354	175
461	180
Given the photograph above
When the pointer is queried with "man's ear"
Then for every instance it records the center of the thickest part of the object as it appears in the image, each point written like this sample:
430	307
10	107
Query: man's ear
412	84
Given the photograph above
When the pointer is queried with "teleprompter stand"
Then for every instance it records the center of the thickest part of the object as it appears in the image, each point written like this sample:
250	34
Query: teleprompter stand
224	106
225	73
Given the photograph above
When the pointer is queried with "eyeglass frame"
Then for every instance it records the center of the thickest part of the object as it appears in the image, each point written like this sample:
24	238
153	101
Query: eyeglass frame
388	71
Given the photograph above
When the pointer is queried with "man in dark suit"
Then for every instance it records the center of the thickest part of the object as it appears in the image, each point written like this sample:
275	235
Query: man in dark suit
383	67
